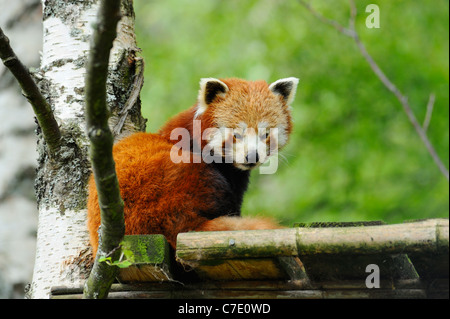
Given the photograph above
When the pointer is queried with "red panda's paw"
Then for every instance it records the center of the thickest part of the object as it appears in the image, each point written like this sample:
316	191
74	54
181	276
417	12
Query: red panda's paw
225	223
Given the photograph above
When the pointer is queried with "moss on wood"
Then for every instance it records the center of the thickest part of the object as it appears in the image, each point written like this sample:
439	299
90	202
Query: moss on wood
150	258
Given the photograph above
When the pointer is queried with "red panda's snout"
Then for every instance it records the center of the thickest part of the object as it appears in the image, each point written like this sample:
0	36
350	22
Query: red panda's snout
252	147
246	148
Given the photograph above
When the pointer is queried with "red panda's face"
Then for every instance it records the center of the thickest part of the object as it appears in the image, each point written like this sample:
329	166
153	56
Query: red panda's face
247	122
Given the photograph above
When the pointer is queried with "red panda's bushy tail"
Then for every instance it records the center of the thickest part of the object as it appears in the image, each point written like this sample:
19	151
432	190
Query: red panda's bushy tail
225	223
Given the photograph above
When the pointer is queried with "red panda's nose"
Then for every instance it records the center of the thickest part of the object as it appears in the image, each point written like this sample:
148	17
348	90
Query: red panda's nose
252	158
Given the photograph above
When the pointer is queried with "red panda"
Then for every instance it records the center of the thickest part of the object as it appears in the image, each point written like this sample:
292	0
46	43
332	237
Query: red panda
165	196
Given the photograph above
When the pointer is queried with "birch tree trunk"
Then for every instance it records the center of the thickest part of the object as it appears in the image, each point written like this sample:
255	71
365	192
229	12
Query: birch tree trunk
21	20
63	254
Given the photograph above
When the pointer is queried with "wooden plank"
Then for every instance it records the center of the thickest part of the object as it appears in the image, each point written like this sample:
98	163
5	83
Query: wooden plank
344	267
257	262
272	294
392	266
220	294
326	251
414	288
150	258
203	285
425	236
259	285
236	244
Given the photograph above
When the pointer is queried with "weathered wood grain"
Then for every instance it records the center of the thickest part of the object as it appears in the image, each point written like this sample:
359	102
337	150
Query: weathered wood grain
422	236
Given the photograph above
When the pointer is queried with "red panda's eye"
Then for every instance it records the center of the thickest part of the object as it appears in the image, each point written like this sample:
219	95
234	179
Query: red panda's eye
265	136
237	136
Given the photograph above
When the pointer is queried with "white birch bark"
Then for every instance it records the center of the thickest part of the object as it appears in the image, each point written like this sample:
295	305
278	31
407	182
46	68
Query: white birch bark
21	21
62	254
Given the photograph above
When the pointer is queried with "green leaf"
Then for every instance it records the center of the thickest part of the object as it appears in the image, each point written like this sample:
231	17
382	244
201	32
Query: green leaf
105	259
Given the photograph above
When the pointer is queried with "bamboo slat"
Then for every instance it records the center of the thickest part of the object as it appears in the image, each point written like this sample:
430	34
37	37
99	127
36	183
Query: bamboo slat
255	290
422	236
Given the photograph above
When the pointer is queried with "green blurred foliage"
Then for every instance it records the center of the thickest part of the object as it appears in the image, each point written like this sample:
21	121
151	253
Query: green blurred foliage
353	154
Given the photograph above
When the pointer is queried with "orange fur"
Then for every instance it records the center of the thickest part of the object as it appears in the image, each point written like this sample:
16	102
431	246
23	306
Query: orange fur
225	223
157	193
248	102
162	197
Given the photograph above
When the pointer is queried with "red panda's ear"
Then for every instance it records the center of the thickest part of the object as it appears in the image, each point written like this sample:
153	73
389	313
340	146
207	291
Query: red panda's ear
210	88
286	88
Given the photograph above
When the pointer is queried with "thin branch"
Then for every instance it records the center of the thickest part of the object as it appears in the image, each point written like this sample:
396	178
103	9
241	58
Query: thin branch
430	106
42	109
346	31
111	205
352	33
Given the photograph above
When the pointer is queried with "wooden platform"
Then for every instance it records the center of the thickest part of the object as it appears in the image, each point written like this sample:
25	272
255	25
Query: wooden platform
317	260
